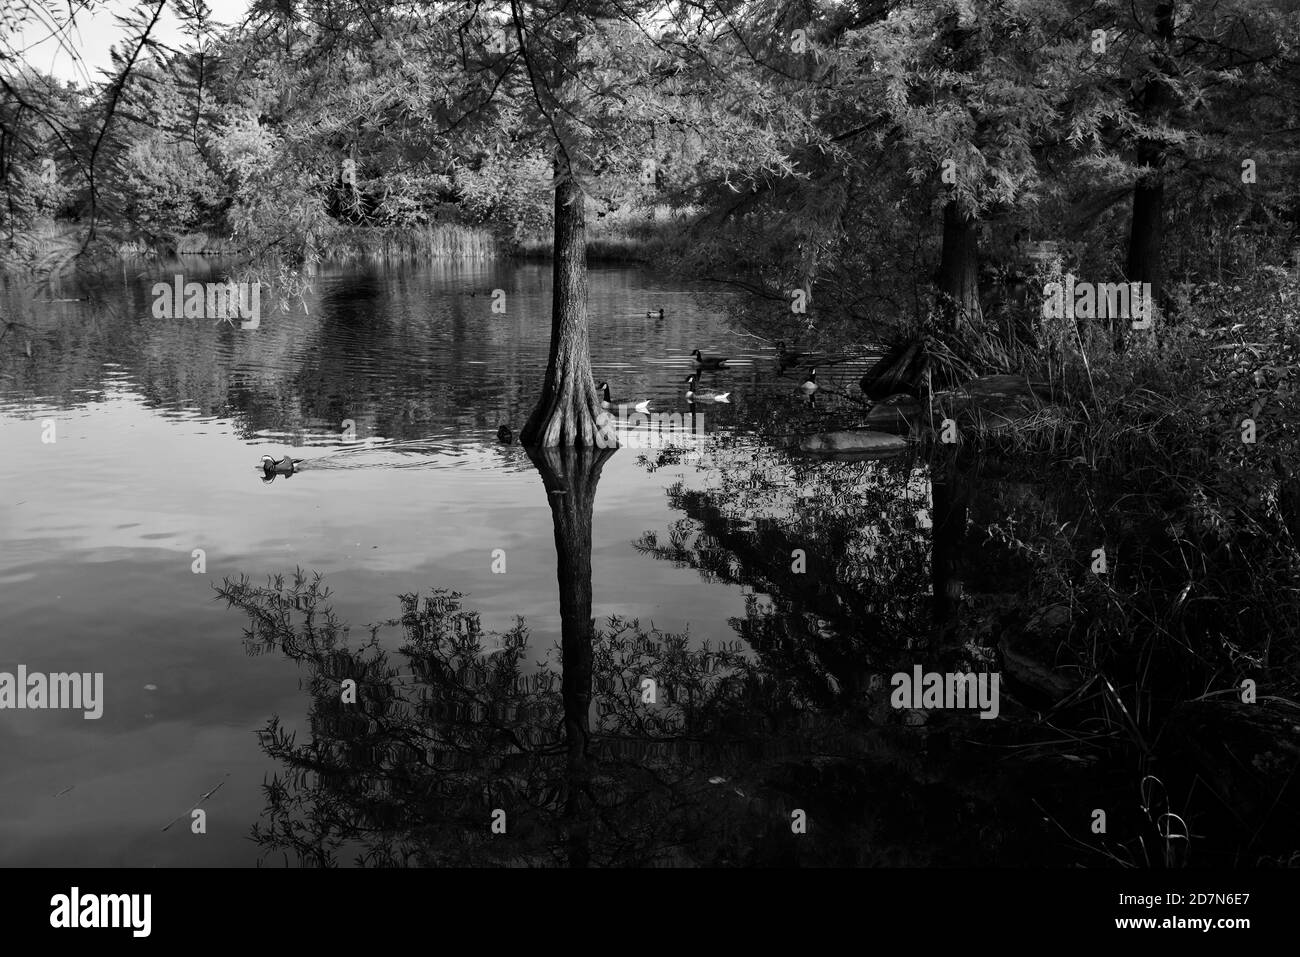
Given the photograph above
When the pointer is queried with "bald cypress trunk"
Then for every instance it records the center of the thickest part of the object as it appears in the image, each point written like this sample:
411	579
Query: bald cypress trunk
1146	234
568	412
959	265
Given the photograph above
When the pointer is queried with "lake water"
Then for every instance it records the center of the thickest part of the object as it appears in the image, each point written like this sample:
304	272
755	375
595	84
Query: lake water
158	424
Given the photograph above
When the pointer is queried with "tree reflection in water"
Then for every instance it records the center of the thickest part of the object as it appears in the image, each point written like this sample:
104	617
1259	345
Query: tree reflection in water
452	723
853	571
834	558
446	730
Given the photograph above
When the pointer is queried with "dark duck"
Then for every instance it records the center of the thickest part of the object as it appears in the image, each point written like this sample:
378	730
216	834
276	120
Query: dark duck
271	468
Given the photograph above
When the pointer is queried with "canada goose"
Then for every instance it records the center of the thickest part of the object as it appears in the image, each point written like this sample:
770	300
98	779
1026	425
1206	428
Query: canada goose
607	403
707	362
810	384
692	395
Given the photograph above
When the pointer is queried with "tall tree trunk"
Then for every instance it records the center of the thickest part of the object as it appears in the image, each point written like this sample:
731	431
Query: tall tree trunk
570	477
569	412
959	265
1146	234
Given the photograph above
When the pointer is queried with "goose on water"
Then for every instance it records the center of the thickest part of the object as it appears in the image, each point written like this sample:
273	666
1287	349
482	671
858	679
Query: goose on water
697	395
707	362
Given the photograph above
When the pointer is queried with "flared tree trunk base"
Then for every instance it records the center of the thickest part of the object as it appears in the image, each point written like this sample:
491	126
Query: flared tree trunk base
569	412
570	415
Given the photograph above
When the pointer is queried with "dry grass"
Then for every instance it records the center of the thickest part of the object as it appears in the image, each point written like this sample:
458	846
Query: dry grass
438	241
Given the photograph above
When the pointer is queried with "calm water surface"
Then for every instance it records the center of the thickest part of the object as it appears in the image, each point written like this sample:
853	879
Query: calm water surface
159	424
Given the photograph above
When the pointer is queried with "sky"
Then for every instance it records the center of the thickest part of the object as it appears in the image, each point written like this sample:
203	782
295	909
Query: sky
96	30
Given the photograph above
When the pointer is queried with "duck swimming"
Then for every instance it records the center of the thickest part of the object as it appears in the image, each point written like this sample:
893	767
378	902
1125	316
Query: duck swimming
655	315
607	403
707	362
693	396
271	468
504	435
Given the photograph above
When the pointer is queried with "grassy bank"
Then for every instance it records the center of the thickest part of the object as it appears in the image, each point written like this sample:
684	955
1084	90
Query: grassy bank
437	241
638	242
625	235
1141	551
58	241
